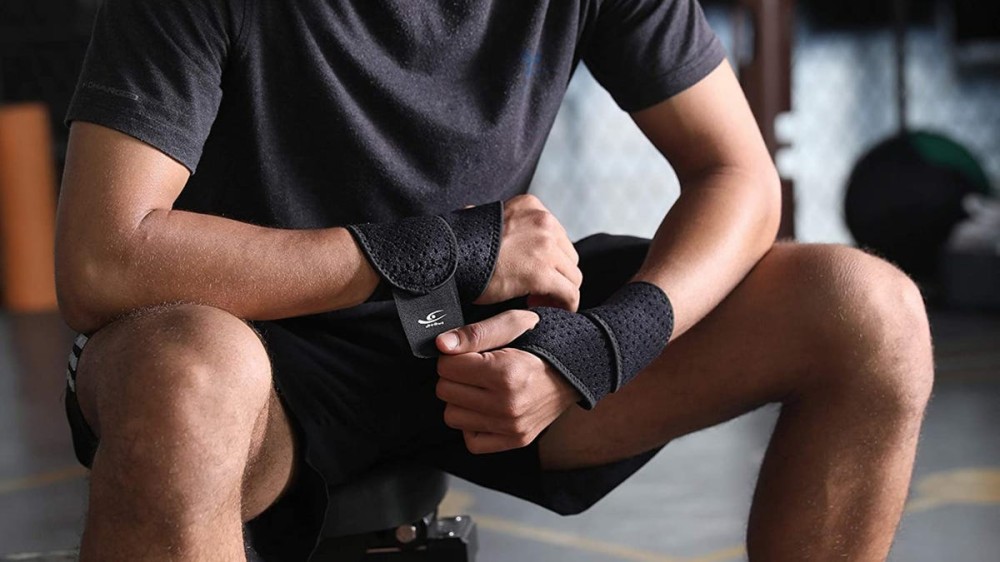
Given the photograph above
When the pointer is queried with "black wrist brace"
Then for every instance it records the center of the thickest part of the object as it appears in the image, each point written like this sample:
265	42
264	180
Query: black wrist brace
478	231
601	349
431	265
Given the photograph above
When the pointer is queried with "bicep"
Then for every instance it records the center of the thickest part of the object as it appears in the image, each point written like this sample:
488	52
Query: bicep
112	179
707	127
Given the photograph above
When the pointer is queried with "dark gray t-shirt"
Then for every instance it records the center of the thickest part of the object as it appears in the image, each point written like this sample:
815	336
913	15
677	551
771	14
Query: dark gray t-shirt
317	113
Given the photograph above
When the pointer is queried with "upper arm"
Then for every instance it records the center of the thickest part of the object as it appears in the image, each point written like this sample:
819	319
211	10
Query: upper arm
708	127
110	183
147	96
646	51
662	63
153	71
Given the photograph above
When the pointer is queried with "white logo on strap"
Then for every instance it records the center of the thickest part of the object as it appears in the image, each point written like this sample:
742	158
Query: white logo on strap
432	319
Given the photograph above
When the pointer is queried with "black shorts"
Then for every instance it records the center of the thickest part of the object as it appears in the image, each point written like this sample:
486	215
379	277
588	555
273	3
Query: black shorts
357	398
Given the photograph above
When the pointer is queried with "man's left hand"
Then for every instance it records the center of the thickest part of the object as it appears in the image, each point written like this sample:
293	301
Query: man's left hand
501	398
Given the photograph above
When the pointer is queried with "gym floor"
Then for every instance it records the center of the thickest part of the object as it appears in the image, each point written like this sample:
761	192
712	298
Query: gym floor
689	504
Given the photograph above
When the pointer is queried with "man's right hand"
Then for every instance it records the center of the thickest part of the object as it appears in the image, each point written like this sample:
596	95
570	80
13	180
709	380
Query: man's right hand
536	259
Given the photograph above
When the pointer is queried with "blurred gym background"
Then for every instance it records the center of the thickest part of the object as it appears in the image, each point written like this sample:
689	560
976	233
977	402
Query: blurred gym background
884	120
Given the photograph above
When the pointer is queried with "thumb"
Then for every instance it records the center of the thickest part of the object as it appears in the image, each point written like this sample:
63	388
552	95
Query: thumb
488	334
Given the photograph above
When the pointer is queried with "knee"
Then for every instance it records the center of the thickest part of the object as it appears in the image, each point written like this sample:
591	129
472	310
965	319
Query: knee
179	365
870	325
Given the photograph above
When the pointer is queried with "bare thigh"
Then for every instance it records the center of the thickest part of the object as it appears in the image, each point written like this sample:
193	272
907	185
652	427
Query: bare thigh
175	357
805	313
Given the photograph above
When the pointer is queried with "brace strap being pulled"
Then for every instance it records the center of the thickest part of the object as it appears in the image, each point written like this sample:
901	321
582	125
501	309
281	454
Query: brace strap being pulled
432	265
601	349
417	257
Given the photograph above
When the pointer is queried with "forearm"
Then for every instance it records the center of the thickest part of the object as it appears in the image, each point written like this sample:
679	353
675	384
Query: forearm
252	272
723	223
719	228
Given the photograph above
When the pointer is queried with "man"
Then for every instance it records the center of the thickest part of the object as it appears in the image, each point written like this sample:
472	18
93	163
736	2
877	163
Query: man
271	209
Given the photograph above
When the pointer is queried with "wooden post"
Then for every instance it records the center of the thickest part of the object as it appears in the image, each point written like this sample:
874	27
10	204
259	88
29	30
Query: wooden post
27	208
766	77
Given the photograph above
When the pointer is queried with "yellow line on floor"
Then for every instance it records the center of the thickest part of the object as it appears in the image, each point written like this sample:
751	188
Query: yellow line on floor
737	552
41	480
964	486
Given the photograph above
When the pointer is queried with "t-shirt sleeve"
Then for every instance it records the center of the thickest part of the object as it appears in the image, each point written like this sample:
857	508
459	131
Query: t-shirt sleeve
153	71
645	51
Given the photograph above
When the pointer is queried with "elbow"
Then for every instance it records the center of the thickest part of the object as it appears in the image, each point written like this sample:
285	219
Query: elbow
97	279
771	205
79	319
85	289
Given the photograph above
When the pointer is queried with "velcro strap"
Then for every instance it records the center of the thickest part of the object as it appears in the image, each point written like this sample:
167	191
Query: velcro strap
417	257
425	316
601	349
639	320
576	347
415	254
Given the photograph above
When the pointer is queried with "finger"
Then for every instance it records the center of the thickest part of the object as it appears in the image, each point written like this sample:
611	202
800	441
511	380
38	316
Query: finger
526	200
488	334
548	222
551	224
470	369
480	443
457	417
560	292
535	301
570	271
466	396
567	247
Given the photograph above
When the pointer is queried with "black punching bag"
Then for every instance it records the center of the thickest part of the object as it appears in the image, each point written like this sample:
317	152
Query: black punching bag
905	195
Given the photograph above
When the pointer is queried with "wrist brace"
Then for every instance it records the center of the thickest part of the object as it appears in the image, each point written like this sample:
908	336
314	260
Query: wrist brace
601	349
431	265
478	231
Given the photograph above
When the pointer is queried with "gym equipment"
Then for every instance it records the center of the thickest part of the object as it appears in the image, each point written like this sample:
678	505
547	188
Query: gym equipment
394	519
390	515
27	208
905	195
970	267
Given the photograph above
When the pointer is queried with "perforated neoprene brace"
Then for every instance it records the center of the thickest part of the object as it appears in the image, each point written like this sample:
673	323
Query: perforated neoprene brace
431	265
415	254
478	231
601	349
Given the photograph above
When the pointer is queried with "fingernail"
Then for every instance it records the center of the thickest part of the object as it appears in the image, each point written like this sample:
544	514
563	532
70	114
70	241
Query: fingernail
449	340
